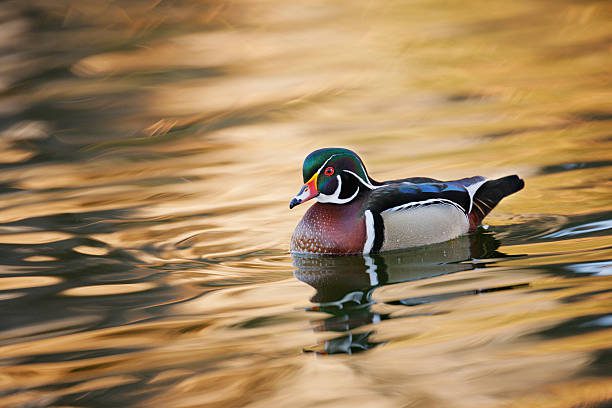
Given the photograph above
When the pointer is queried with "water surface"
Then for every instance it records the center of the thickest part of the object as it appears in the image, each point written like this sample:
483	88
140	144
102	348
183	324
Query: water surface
148	152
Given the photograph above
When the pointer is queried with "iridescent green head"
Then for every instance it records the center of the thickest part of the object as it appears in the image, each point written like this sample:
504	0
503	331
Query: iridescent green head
333	175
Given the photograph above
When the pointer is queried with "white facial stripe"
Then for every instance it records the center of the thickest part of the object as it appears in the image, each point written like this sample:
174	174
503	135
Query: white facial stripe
321	168
365	172
365	183
370	232
335	198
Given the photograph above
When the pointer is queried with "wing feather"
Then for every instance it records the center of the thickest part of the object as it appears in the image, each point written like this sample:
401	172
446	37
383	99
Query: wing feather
406	194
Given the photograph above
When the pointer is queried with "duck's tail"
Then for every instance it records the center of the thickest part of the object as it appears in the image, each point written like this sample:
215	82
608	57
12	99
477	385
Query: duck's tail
489	194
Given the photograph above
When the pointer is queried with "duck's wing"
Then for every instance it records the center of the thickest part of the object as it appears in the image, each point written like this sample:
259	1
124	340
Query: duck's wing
475	196
437	209
403	194
412	180
403	200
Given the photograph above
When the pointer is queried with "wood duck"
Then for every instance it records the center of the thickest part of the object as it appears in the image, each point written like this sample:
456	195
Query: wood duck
356	214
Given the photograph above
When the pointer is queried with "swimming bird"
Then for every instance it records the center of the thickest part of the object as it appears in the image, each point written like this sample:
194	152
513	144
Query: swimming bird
356	214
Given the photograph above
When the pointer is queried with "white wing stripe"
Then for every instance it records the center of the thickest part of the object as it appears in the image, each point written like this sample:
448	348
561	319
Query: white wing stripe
424	202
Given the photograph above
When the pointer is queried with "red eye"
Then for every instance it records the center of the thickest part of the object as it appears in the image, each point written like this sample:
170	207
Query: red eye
329	171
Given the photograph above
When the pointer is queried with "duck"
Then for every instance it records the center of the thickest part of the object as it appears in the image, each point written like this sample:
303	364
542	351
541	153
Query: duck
355	214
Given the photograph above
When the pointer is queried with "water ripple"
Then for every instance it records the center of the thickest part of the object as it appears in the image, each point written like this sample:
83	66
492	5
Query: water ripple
581	229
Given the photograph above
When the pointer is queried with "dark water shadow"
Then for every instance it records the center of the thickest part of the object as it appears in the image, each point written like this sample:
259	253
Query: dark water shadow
344	285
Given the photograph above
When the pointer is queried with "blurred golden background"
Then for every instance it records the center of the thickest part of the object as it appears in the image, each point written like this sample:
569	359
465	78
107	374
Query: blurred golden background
148	152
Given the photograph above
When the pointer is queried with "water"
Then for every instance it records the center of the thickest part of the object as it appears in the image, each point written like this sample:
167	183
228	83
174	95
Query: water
149	151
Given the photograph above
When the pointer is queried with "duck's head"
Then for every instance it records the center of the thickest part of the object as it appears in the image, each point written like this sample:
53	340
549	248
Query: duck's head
332	175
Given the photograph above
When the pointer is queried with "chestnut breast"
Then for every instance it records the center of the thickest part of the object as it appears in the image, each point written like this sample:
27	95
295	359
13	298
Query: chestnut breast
331	229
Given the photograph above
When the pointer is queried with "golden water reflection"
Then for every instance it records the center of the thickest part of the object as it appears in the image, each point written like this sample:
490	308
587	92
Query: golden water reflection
148	151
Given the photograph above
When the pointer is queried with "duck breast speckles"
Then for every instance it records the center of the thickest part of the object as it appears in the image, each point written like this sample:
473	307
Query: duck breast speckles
330	229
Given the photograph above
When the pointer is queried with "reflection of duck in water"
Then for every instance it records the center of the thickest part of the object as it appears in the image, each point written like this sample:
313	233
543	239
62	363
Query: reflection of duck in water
344	284
355	214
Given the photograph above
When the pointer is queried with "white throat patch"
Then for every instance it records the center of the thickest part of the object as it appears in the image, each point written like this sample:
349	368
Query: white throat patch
335	197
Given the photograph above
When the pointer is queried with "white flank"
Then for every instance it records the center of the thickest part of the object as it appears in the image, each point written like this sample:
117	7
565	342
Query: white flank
370	232
409	226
